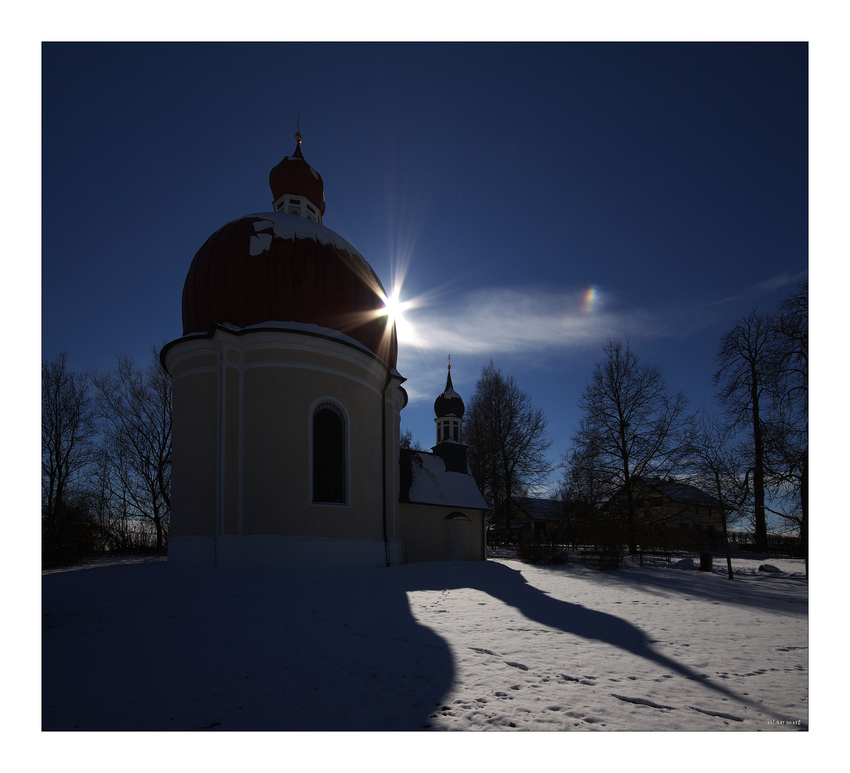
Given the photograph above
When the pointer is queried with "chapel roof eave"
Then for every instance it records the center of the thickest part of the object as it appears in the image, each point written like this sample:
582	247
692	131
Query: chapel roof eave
315	331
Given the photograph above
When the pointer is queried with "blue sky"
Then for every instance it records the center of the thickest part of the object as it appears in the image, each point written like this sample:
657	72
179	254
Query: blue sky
534	198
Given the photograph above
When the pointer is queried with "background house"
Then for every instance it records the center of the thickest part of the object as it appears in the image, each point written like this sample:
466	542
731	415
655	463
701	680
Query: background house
672	514
530	519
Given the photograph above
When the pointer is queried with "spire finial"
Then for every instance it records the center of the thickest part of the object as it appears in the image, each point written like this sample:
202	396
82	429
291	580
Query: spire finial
449	376
298	130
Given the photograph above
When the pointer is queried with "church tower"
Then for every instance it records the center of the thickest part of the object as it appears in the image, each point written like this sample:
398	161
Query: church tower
449	409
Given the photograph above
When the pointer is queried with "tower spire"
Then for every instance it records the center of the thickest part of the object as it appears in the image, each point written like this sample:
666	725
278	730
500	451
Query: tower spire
449	409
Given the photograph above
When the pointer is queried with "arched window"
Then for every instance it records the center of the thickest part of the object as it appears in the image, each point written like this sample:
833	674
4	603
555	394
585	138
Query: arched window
328	454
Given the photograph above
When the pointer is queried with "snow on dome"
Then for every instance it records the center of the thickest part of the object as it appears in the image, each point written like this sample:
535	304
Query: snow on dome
260	243
284	226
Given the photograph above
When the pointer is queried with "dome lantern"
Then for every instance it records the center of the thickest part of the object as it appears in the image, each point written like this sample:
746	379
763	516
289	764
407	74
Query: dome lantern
297	188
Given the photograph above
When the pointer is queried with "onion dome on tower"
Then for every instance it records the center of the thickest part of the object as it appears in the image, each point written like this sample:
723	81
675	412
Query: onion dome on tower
286	267
449	404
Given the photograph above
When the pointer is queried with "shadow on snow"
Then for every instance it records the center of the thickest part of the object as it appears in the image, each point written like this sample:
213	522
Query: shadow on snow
150	648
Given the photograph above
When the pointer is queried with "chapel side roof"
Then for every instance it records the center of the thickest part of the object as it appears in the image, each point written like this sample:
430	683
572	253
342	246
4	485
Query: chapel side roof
541	509
424	480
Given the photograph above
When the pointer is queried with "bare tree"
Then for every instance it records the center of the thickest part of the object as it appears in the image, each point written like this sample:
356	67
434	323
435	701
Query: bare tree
135	406
787	436
406	440
585	484
746	371
634	426
792	336
507	441
720	466
68	431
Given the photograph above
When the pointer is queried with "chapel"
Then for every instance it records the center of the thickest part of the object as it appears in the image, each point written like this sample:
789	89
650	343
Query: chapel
287	402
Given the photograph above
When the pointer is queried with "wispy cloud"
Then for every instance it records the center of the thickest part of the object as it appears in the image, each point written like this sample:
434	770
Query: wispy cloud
777	283
503	321
766	286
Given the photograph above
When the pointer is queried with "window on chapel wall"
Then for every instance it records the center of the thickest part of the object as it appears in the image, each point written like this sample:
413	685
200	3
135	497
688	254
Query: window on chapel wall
328	454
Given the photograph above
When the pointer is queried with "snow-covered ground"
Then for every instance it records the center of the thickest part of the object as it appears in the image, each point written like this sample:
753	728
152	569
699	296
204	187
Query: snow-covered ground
496	645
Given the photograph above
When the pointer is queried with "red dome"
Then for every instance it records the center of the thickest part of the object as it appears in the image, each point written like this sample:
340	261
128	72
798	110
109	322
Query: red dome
276	267
295	176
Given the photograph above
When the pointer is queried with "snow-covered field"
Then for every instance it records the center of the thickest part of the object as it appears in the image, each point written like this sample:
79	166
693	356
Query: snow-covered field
496	645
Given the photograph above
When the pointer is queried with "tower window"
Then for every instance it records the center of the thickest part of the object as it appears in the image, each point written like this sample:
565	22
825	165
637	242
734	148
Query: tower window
329	463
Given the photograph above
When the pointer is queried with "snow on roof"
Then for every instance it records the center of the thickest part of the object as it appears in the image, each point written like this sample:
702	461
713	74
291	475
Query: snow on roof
426	481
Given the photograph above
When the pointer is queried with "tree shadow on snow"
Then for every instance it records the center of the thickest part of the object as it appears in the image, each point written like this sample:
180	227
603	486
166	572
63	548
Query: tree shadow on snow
509	586
776	594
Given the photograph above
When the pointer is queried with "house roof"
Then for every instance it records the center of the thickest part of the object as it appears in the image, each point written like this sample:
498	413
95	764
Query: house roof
541	509
681	492
424	480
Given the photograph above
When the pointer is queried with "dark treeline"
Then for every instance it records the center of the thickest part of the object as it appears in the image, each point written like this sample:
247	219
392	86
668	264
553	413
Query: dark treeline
106	459
748	461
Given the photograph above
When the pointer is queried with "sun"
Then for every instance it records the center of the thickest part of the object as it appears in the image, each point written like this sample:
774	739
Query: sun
394	307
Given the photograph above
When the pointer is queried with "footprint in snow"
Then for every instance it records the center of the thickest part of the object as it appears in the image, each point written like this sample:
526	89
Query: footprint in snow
482	651
514	664
720	714
641	702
